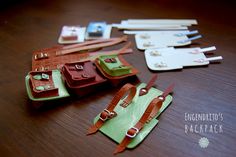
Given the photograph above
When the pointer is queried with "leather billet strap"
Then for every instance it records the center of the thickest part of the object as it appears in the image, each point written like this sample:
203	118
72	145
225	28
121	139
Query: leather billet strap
109	112
152	109
88	45
144	91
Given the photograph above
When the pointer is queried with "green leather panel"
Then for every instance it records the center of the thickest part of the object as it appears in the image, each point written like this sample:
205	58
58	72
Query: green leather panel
114	69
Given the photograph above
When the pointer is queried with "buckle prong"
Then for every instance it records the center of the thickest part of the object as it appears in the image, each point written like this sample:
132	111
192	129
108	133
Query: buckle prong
109	115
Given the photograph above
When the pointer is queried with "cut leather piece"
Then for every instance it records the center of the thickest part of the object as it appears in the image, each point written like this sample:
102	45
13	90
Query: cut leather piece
90	45
56	83
109	112
159	40
187	57
82	77
53	62
130	71
117	127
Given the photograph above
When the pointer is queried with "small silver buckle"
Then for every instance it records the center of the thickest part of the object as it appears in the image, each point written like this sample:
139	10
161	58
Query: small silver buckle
136	132
79	67
109	116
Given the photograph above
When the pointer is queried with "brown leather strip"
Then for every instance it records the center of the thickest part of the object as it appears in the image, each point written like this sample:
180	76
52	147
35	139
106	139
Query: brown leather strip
150	112
110	109
108	42
144	91
162	96
91	42
168	90
53	61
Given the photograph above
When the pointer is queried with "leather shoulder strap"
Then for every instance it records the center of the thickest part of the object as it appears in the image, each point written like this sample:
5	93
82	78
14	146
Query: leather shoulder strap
99	43
109	112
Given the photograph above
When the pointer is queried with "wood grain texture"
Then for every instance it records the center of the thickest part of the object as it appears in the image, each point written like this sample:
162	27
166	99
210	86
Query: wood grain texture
59	129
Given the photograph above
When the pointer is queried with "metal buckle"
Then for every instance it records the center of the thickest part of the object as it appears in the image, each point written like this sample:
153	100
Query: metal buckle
132	136
45	76
40	56
85	75
110	60
79	67
109	115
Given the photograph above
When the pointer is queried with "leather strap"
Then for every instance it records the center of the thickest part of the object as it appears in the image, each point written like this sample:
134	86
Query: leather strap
162	96
155	105
144	91
109	112
88	45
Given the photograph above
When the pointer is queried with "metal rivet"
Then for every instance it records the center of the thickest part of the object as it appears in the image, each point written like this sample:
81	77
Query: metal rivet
160	65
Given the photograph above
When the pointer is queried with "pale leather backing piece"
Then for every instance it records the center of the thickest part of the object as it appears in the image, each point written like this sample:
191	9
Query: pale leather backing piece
171	59
159	39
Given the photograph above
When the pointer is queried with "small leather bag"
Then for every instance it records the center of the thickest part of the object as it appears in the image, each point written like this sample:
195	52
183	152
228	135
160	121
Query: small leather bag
82	77
45	85
115	67
129	120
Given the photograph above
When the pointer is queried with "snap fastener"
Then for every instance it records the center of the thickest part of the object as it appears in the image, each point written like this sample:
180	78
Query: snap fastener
148	44
160	65
144	36
155	53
